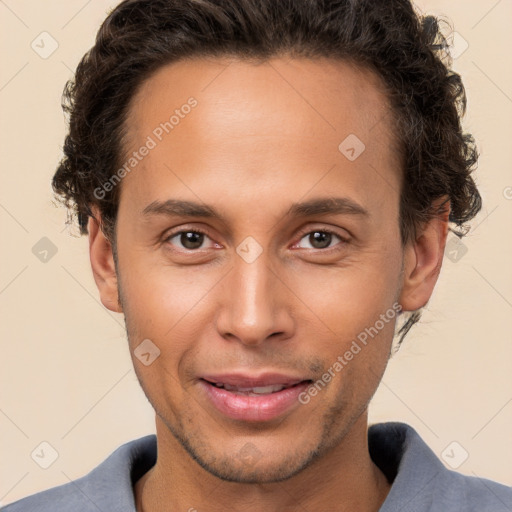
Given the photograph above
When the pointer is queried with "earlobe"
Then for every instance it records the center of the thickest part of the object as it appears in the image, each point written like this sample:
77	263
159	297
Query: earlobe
102	264
423	259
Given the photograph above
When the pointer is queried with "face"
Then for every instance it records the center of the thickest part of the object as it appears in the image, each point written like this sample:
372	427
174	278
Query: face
250	243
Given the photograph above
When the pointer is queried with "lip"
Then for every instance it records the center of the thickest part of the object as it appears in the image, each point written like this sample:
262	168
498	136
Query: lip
251	381
253	408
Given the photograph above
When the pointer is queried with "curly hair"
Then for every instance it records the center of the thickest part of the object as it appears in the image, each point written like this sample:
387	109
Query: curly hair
406	50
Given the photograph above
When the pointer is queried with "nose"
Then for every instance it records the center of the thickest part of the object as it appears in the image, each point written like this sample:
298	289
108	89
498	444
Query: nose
255	303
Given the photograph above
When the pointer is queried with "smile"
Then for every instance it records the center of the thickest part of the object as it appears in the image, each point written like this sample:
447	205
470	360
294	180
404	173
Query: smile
257	403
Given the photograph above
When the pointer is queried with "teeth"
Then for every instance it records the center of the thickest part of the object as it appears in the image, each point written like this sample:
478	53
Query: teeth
262	390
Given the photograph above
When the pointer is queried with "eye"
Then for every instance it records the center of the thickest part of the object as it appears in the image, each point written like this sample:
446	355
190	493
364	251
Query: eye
320	239
193	240
189	240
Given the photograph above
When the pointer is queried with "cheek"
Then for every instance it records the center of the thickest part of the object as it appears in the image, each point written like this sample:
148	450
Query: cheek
164	306
351	298
159	297
353	311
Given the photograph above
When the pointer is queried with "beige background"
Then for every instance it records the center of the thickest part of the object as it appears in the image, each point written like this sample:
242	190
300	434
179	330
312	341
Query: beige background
67	378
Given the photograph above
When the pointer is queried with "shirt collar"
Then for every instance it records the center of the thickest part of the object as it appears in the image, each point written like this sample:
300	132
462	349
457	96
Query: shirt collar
396	448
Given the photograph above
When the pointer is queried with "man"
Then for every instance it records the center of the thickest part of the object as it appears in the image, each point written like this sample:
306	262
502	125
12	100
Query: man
267	188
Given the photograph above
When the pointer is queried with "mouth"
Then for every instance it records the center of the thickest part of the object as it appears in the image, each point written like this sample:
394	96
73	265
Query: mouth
255	390
253	402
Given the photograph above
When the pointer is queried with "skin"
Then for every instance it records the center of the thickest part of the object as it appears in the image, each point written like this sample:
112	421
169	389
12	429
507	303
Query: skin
263	136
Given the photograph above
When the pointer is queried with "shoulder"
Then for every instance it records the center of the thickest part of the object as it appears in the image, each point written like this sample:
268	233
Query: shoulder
471	493
108	486
420	481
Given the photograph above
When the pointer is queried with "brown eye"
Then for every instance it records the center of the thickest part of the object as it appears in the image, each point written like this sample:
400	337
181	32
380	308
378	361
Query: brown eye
189	240
319	239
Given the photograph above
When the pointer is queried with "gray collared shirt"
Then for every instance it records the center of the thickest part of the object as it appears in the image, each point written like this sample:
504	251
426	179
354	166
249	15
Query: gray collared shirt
420	482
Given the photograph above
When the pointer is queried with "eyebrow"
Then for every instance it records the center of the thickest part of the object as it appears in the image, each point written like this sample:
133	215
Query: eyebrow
328	206
322	206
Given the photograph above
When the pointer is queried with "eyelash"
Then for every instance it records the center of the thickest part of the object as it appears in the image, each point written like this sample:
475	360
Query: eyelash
309	231
343	241
181	231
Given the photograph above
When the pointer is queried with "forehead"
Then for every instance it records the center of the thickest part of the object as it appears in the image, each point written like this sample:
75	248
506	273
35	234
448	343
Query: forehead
327	94
253	124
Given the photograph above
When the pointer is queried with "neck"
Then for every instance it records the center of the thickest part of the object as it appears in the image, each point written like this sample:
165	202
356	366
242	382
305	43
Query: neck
344	478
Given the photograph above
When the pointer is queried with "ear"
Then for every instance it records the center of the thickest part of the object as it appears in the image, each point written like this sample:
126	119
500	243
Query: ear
423	259
102	263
